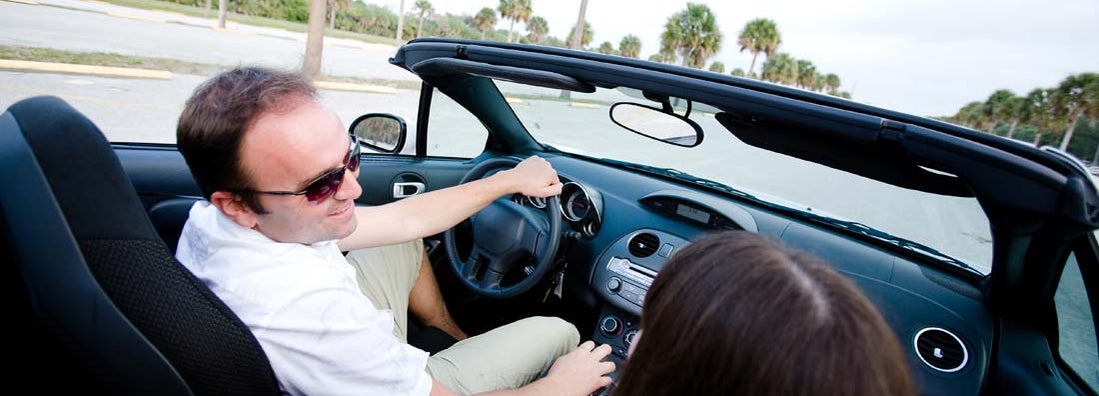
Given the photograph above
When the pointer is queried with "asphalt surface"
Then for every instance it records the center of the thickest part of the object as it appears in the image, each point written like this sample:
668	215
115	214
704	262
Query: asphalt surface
87	26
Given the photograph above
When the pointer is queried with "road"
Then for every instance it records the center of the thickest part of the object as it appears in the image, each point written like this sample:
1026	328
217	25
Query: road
86	26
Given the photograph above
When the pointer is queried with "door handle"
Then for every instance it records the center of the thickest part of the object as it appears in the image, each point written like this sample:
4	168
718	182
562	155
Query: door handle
407	189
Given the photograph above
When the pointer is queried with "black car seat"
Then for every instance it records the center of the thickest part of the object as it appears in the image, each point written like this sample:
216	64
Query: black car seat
100	302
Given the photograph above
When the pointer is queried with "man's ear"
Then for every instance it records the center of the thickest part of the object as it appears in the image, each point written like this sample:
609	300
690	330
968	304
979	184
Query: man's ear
234	208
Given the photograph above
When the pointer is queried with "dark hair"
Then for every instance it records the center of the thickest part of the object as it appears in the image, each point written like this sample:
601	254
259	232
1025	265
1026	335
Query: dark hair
220	111
735	313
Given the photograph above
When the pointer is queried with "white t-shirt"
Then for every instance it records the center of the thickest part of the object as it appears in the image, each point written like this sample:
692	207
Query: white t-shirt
302	302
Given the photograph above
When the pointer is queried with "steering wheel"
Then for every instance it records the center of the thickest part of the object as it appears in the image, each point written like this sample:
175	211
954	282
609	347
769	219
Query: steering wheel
506	236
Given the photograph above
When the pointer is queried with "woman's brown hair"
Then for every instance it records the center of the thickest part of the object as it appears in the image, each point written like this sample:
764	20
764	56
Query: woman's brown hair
735	313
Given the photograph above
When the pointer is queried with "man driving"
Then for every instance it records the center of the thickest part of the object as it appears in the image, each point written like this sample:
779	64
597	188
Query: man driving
278	171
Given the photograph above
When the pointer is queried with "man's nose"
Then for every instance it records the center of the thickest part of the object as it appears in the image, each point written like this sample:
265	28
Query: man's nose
350	188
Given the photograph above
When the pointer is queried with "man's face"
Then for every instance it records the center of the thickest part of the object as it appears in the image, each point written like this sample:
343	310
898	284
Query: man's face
285	152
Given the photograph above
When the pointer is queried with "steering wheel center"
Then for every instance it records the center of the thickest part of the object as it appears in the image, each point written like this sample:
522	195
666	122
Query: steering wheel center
506	233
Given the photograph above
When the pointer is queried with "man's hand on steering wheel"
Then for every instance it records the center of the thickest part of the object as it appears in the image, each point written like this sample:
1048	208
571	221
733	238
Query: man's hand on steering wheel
508	237
533	177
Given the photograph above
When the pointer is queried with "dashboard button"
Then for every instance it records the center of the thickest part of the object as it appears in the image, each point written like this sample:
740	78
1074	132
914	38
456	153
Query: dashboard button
628	338
614	285
666	250
610	325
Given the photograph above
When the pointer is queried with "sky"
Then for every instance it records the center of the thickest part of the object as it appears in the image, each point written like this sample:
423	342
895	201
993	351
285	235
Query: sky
925	57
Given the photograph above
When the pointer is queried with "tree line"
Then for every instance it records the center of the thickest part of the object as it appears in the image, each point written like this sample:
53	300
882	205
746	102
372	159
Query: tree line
1065	115
691	37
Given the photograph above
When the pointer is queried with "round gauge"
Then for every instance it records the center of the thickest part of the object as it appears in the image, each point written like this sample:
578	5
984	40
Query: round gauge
537	202
577	205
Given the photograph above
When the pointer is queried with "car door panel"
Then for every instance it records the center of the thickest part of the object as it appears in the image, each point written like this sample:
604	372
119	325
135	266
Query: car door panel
379	173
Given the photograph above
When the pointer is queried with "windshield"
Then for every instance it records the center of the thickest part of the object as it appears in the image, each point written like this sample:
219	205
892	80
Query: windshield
955	227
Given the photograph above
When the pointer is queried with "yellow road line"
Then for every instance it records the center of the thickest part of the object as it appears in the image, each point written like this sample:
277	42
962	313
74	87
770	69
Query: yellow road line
136	17
584	105
92	99
237	31
83	69
513	100
342	86
27	2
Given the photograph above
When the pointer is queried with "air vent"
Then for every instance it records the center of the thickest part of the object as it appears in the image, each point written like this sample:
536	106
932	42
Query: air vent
941	349
644	244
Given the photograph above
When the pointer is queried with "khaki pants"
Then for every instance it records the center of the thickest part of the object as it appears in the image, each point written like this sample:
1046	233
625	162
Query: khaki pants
507	357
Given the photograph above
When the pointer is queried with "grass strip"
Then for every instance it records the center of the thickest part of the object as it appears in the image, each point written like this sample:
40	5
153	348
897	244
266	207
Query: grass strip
246	19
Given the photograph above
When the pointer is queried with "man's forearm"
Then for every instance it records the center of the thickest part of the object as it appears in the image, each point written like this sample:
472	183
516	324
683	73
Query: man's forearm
425	214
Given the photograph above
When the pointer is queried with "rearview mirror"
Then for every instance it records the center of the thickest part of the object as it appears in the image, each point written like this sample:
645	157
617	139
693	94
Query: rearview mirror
380	132
654	123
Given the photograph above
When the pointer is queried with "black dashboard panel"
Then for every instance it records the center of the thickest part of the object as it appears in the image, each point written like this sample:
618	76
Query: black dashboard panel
915	299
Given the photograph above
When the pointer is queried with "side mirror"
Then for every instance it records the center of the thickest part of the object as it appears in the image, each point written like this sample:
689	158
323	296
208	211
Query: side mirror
654	123
380	132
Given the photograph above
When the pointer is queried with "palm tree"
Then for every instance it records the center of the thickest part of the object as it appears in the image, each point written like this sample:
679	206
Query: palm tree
807	74
585	39
972	115
314	40
664	56
817	85
575	37
832	82
694	34
484	20
536	29
1038	112
759	35
737	72
400	22
780	68
1003	107
424	8
630	46
515	10
1013	111
222	5
1076	97
606	48
717	67
668	55
334	7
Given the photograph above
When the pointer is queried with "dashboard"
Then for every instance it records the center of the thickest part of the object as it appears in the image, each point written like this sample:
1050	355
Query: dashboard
631	224
624	226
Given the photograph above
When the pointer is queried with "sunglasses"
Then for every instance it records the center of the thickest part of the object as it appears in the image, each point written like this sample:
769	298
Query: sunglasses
325	186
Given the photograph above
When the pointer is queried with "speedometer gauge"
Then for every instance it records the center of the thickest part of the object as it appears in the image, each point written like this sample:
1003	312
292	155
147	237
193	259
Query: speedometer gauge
576	204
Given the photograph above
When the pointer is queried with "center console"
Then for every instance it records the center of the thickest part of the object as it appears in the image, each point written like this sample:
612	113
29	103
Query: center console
624	273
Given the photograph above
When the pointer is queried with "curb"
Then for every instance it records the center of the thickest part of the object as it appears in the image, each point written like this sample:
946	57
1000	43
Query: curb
84	69
342	86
